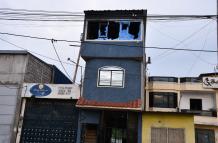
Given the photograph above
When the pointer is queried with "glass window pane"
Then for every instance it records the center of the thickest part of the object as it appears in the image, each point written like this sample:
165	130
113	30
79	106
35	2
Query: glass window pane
158	101
105	78
111	76
163	100
117	78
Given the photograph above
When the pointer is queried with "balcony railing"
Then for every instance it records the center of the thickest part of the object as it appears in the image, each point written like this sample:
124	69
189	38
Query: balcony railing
190	79
163	79
212	113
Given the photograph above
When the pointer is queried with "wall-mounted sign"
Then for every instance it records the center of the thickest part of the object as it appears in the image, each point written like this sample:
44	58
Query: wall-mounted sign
210	82
58	91
40	90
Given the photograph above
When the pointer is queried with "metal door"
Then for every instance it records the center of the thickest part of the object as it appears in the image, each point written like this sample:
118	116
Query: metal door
49	121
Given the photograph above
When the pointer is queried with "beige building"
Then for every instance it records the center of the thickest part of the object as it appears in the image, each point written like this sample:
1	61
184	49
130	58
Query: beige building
195	95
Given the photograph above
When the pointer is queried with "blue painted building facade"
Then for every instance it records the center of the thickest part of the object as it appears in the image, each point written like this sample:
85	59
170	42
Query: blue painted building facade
113	90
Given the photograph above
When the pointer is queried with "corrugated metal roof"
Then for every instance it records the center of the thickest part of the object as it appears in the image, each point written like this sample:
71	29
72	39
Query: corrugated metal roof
115	13
13	52
134	105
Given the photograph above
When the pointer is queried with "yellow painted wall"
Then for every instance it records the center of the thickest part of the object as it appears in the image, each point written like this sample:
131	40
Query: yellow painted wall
168	120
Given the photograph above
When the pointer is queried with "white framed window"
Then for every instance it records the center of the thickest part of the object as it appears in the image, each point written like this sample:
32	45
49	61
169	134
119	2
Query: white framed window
111	76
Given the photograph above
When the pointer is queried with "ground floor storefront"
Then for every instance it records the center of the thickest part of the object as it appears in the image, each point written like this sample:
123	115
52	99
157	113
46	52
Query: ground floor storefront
167	128
48	121
106	126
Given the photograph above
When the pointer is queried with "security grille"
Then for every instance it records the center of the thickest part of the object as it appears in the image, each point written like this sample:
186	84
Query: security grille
167	135
49	121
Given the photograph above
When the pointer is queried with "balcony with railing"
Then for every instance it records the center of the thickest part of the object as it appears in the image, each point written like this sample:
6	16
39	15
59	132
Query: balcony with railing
209	113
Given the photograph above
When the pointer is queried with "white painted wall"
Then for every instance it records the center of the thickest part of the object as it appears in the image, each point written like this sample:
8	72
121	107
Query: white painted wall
8	100
208	99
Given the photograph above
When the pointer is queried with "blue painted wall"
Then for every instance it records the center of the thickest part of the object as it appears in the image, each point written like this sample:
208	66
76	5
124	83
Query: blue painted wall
59	77
94	49
132	84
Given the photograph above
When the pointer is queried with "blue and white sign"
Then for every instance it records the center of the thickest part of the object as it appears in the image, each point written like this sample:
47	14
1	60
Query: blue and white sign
40	90
55	91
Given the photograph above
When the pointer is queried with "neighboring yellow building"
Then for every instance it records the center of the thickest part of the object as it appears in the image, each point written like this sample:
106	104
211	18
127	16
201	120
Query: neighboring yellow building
161	127
169	100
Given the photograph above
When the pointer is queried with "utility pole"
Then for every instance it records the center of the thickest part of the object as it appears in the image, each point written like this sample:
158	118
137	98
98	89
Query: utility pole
76	68
217	33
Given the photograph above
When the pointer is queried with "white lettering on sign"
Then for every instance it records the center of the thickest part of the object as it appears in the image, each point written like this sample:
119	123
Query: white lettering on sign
64	90
210	82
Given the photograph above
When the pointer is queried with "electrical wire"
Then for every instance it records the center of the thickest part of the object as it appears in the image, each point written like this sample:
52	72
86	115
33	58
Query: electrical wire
41	15
120	45
40	55
39	38
199	55
52	41
90	68
185	39
35	52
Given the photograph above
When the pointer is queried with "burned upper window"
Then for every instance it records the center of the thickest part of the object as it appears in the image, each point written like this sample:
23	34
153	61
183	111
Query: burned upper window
113	30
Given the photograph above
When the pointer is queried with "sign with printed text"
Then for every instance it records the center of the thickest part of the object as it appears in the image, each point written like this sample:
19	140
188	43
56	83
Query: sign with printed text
210	82
56	91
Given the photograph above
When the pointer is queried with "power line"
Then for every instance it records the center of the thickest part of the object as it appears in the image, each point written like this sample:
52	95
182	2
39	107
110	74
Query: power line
35	52
42	11
45	20
52	41
182	41
41	15
90	68
110	44
199	55
39	38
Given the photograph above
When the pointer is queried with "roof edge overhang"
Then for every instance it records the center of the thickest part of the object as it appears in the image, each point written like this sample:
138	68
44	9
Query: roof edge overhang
107	107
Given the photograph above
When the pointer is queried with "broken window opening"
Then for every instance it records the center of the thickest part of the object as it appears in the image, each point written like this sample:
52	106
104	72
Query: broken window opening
103	30
113	30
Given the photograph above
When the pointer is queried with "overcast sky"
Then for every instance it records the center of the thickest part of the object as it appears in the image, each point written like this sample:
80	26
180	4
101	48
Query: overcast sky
199	34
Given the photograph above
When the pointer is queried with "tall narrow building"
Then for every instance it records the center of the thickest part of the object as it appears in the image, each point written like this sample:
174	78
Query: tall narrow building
113	91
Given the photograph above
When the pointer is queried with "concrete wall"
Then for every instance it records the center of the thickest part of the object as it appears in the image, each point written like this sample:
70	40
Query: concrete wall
112	50
208	100
8	101
38	71
167	120
12	68
132	83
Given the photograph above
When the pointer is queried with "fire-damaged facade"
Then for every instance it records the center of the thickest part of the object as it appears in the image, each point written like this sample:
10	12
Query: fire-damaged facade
113	89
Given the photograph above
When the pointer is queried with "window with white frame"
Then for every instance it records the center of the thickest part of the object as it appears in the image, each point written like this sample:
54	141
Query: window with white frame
111	76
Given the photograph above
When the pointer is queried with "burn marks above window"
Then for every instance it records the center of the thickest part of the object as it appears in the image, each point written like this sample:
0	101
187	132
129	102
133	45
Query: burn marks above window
113	30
